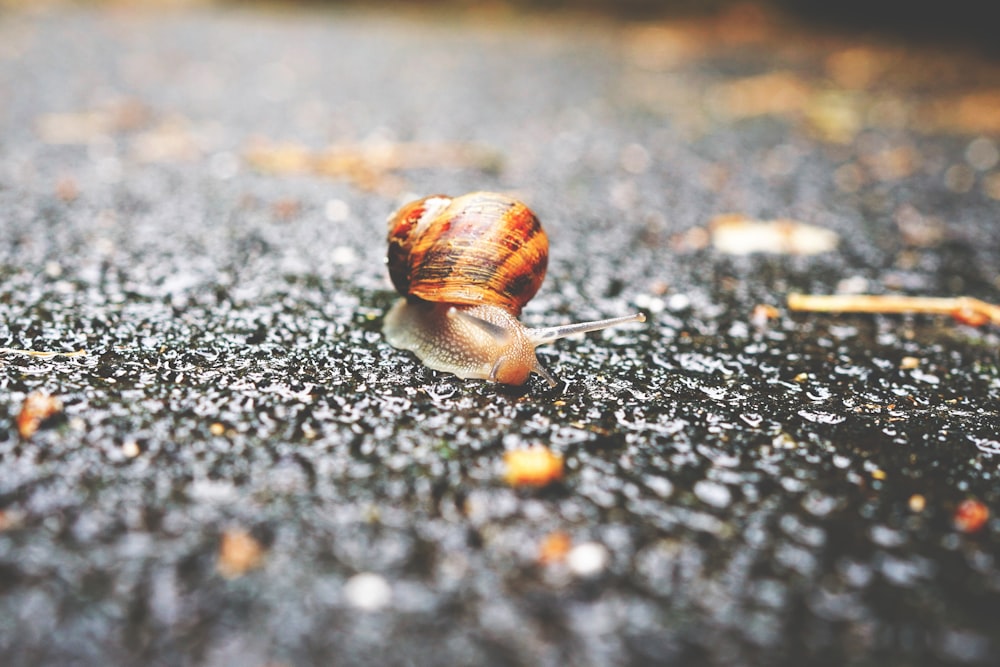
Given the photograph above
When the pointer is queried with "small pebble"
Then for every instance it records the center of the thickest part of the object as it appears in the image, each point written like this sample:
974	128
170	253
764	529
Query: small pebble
713	493
588	559
343	255
368	591
336	210
678	302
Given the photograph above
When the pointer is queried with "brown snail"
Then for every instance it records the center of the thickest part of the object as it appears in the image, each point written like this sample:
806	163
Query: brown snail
466	266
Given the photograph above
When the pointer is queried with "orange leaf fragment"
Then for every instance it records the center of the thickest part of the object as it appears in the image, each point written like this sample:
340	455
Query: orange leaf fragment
9	519
554	548
970	516
970	317
763	313
533	466
239	552
37	407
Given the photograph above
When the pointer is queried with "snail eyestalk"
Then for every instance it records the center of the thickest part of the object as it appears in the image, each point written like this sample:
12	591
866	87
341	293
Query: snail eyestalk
549	334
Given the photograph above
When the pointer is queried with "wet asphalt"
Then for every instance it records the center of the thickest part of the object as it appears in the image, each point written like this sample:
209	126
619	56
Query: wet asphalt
239	469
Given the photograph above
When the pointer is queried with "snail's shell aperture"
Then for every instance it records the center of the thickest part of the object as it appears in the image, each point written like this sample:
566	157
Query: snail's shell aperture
480	248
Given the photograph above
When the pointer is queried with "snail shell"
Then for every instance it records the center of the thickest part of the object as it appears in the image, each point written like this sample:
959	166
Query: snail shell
479	249
466	266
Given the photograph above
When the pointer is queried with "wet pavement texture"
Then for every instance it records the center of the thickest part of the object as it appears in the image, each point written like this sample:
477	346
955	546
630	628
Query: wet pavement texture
239	470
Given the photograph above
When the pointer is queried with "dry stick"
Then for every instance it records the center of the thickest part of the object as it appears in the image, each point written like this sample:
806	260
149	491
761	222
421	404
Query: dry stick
960	306
42	355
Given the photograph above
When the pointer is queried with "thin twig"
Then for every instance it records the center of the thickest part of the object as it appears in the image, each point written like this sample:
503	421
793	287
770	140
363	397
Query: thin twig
42	355
964	308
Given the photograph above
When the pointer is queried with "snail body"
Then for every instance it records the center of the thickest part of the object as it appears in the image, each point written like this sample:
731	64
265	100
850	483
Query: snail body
465	267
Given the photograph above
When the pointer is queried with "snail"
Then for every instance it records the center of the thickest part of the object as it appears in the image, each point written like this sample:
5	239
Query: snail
465	267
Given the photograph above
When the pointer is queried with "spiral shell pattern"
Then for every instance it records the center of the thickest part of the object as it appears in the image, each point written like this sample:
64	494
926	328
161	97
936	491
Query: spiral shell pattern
481	248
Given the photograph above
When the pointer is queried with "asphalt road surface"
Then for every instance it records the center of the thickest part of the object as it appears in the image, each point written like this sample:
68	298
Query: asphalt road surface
210	456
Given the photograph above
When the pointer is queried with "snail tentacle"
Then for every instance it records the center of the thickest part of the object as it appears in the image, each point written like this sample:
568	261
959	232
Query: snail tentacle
549	334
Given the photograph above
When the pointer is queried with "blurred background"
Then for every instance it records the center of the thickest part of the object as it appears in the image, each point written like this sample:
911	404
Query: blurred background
239	468
959	21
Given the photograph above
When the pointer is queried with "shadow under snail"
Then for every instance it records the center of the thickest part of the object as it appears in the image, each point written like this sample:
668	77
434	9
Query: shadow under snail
466	266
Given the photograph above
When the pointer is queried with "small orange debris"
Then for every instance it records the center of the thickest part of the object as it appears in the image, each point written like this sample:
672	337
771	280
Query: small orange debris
37	407
970	317
67	190
917	503
696	238
239	552
971	516
286	209
533	466
9	520
172	140
658	287
969	113
554	548
370	166
856	67
771	94
763	313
